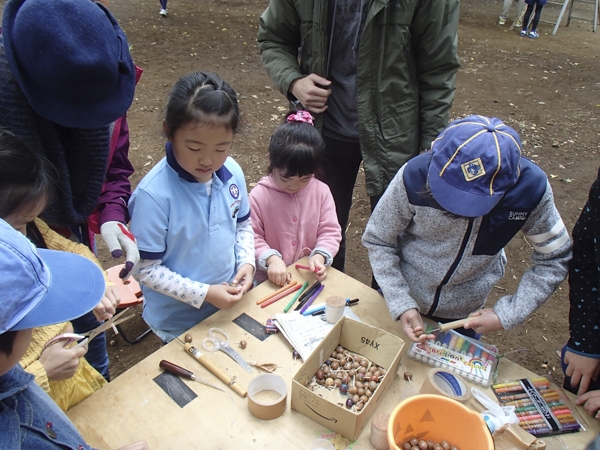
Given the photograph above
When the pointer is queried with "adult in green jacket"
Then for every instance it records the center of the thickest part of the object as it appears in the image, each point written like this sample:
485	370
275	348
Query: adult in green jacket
380	75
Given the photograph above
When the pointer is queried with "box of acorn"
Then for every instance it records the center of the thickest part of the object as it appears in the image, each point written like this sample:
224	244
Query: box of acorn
343	380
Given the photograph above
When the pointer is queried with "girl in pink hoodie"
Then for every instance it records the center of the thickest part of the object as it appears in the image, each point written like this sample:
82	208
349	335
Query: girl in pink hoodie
293	213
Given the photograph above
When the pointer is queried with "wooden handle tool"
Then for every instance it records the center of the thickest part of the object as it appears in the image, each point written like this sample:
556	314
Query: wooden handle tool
184	373
451	325
202	359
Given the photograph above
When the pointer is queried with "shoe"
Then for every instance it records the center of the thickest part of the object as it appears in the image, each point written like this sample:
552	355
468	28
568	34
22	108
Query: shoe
501	21
533	34
519	23
164	12
523	33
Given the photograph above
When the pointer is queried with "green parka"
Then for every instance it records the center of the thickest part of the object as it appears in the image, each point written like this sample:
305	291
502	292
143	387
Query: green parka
407	63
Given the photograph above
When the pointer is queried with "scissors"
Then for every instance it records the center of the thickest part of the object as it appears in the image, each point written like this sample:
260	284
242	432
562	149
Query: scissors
213	343
85	338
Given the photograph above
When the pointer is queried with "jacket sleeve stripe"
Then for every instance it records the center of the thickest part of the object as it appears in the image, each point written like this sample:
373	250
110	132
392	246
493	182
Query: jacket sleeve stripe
554	245
555	231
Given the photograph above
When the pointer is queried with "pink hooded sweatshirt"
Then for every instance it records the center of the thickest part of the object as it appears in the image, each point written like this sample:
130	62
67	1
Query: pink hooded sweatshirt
293	225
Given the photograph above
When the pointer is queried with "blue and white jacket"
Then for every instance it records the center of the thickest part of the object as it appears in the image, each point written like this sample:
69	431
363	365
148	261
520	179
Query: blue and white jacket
444	265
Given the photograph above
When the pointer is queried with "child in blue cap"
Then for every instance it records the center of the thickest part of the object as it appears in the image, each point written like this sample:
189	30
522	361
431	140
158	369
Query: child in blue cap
436	239
37	290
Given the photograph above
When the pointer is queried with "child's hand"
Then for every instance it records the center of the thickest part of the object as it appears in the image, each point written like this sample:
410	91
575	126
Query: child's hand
591	403
484	321
243	277
582	370
223	296
61	362
413	328
108	304
277	271
317	265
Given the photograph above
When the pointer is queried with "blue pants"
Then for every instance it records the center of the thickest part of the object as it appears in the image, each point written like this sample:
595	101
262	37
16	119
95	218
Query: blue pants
97	354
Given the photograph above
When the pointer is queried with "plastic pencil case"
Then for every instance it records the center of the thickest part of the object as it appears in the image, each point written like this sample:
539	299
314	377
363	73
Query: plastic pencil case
542	408
472	359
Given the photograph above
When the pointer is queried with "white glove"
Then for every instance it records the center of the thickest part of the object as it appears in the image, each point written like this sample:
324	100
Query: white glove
118	238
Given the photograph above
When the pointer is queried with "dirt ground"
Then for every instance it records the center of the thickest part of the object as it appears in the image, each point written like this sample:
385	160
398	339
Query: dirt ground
547	89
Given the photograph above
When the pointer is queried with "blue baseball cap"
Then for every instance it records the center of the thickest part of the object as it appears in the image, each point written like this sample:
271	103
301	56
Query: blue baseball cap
43	287
71	59
474	162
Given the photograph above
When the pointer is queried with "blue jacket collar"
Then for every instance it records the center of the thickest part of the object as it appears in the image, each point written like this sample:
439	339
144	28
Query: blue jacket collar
223	173
14	381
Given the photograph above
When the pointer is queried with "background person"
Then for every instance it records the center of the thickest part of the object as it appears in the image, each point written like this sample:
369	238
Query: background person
379	76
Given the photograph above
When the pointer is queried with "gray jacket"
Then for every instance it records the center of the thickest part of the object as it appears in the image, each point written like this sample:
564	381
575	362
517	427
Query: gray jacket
430	260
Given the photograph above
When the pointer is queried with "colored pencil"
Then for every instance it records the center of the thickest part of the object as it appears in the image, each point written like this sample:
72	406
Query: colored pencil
303	267
298	294
277	292
312	298
281	295
306	295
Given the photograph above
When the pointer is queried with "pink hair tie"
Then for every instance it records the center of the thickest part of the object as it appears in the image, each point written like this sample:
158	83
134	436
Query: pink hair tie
302	117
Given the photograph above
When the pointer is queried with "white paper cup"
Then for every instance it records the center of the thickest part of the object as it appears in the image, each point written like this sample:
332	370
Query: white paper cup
334	308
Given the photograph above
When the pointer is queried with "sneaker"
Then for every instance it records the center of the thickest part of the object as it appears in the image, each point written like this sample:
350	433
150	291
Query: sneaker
523	33
519	23
501	21
164	12
533	34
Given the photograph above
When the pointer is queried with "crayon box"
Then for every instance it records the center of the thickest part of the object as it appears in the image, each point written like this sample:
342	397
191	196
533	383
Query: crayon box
474	360
542	408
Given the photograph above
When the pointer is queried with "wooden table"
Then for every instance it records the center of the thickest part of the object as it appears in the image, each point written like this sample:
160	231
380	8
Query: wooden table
134	407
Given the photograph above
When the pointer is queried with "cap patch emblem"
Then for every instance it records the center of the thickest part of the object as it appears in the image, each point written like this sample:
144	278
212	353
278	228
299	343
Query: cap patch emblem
473	169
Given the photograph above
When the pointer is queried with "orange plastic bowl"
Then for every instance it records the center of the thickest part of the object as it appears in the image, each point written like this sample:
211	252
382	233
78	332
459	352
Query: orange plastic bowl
438	418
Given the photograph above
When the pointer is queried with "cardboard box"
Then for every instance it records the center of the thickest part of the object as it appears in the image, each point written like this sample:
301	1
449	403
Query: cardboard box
329	409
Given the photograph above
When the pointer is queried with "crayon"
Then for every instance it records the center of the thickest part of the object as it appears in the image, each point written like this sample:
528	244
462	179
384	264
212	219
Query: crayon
528	417
312	298
439	338
298	294
471	350
447	339
477	353
508	384
459	343
281	295
534	429
525	408
452	344
538	421
512	397
517	403
509	389
537	426
465	347
558	410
